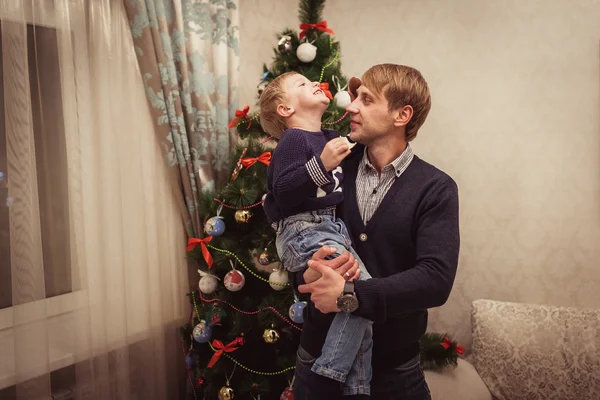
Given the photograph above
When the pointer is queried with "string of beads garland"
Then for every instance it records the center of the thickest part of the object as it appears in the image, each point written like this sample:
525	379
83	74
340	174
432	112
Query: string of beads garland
337	120
238	208
185	355
330	63
244	265
188	369
227	355
254	117
266	139
236	362
270	308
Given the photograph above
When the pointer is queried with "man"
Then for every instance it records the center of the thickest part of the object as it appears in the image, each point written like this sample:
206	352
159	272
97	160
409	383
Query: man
402	216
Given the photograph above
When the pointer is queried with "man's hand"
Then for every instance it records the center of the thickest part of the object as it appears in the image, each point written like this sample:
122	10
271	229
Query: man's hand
325	290
334	152
345	265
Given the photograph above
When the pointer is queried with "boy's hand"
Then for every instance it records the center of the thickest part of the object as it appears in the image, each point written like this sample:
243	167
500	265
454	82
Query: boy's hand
334	152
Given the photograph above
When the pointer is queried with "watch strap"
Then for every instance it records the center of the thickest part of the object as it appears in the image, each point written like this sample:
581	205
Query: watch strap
348	288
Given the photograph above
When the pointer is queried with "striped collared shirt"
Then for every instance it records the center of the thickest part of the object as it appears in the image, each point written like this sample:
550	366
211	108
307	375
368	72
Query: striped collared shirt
371	188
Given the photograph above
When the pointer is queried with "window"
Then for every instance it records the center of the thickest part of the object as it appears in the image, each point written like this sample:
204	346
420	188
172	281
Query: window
50	168
36	254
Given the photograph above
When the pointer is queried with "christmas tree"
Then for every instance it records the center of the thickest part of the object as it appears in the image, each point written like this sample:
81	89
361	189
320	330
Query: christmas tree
244	328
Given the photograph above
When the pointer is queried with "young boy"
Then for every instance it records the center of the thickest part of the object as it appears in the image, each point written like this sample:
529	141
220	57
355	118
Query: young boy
304	183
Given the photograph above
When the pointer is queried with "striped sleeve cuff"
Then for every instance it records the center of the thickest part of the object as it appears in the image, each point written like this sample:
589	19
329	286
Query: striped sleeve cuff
315	172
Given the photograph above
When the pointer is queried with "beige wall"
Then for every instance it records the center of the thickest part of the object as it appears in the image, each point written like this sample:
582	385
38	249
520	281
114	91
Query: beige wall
515	120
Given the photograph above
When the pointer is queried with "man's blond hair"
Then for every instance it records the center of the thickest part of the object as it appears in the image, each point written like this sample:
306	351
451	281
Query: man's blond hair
401	86
273	95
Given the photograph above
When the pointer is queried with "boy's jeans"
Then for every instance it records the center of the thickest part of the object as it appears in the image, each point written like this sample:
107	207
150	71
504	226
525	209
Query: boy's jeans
346	354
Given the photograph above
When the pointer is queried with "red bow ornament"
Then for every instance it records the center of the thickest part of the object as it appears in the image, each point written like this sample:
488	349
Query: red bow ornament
239	115
217	344
447	343
321	26
193	242
324	86
264	158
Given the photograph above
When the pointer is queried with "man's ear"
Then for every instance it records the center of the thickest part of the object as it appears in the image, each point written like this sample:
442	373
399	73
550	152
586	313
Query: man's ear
284	110
353	84
403	116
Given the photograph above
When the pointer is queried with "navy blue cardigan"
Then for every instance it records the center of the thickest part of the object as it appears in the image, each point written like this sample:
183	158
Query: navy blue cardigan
410	247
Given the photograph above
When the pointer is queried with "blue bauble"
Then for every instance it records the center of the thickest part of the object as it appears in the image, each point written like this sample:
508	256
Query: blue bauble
190	361
296	310
214	226
202	332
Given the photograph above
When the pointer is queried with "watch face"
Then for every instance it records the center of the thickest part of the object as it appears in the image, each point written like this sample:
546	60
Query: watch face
348	303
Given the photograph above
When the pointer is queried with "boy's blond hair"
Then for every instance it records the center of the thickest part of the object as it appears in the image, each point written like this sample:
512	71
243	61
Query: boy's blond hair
401	86
273	95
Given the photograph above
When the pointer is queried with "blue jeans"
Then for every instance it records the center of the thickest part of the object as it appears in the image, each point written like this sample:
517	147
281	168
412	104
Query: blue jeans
405	382
346	354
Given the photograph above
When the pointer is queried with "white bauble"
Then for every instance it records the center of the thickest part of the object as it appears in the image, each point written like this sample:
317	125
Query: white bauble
207	284
278	279
306	52
342	99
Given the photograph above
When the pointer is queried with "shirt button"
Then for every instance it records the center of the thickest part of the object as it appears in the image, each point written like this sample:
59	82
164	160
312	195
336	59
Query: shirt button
363	237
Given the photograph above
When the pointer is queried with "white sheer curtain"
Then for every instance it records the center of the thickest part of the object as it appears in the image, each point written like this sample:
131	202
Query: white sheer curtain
92	268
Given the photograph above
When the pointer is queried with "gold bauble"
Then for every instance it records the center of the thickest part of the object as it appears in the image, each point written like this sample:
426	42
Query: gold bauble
226	393
243	216
264	258
270	335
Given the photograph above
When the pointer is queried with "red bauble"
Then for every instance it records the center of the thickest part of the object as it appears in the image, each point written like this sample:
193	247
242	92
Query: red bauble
234	280
288	394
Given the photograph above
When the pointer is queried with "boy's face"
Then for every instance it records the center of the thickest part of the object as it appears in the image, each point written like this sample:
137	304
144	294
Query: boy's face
304	96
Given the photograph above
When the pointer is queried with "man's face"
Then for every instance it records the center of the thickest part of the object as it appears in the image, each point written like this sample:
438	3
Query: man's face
303	95
370	116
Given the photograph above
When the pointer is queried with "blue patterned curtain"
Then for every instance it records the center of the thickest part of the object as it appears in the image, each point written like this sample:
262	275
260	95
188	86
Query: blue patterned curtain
188	55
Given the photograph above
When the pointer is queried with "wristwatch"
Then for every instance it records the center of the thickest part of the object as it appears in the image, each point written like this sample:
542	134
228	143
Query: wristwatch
348	302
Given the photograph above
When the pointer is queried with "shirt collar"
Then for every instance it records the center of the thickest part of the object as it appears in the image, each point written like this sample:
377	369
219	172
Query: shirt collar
398	165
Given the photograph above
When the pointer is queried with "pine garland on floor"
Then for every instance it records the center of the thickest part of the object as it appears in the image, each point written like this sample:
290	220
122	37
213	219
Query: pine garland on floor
439	351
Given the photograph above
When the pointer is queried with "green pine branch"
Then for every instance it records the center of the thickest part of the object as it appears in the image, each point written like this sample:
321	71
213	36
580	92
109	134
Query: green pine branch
311	11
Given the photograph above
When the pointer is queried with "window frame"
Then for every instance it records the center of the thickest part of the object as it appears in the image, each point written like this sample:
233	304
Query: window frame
46	320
